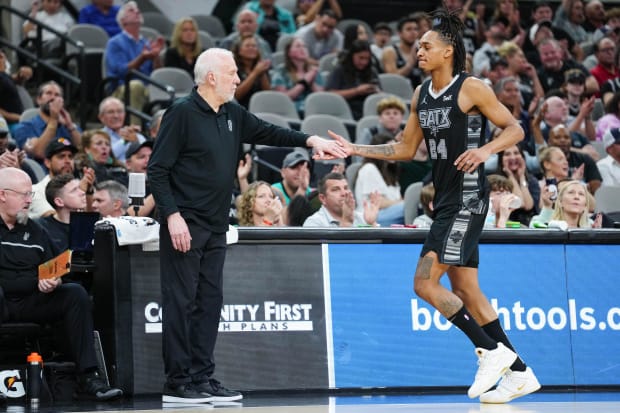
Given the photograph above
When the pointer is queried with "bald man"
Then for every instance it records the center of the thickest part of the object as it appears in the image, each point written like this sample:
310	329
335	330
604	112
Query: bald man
24	245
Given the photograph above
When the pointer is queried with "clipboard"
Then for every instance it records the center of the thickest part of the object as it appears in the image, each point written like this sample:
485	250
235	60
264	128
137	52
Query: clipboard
56	267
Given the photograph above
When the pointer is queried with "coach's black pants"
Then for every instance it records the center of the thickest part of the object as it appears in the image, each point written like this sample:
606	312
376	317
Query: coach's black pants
68	303
191	286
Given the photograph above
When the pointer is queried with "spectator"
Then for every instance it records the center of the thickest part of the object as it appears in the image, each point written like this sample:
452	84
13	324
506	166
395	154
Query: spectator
473	34
253	71
571	210
112	116
295	176
297	77
424	24
508	93
391	112
555	112
609	166
50	13
184	47
495	35
382	35
539	31
502	201
426	200
137	159
101	13
97	154
272	20
594	13
260	206
58	161
580	107
246	26
25	245
555	64
353	78
52	122
498	69
64	194
297	211
581	165
401	58
606	68
338	205
381	176
611	28
11	106
129	50
511	165
110	199
321	36
508	12
307	10
353	32
611	119
570	17
518	66
612	86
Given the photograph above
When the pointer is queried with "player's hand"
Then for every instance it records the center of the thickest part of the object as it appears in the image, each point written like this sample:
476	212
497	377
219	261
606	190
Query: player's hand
469	160
179	233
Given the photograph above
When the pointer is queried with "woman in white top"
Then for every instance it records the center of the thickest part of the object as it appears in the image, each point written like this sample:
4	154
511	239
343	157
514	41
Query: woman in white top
381	176
51	13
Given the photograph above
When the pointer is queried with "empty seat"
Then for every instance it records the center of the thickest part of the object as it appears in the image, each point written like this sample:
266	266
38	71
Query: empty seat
320	124
608	198
211	24
397	85
412	201
206	40
159	22
92	36
270	101
363	123
178	79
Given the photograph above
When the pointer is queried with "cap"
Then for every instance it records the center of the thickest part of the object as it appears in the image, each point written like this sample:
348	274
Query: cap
574	76
295	157
611	136
497	60
535	27
136	146
4	127
59	145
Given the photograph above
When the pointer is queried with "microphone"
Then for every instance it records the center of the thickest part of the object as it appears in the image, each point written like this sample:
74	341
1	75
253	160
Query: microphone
136	190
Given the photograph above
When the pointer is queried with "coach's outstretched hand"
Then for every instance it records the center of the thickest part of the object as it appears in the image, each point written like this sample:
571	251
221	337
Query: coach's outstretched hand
326	149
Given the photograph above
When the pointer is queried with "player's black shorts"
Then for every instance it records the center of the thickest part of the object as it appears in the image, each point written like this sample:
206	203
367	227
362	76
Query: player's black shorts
454	236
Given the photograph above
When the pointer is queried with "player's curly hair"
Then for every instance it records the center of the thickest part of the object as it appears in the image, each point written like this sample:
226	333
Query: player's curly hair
450	28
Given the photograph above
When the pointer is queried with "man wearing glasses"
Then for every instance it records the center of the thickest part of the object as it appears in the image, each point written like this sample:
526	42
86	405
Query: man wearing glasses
24	298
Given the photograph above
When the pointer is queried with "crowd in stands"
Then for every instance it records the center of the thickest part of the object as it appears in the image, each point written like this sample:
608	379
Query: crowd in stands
556	70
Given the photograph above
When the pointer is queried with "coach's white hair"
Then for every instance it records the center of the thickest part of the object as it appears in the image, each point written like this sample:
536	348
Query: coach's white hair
209	61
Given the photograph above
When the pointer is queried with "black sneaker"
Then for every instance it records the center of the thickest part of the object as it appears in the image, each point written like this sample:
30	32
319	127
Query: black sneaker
184	393
92	386
218	392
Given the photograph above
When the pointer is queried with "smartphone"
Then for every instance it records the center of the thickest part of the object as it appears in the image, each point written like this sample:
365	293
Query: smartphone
552	186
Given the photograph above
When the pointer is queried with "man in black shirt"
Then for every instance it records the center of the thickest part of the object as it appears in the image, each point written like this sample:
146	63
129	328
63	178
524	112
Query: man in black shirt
24	245
449	111
191	171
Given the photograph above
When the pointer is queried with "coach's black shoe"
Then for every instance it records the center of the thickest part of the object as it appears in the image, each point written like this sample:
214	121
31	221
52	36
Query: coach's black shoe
184	393
218	392
92	386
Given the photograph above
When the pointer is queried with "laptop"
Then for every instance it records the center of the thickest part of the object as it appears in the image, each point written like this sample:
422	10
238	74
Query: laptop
81	237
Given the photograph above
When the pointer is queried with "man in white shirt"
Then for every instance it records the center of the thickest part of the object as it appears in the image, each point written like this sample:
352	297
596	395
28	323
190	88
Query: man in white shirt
338	205
609	166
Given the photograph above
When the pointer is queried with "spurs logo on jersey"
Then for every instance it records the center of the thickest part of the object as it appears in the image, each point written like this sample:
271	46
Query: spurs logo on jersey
435	119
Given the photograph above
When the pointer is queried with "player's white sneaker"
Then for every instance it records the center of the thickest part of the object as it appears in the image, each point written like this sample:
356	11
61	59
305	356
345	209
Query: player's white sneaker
514	384
492	364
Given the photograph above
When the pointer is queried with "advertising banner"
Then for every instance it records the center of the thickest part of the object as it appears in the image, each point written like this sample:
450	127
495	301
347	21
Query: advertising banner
384	335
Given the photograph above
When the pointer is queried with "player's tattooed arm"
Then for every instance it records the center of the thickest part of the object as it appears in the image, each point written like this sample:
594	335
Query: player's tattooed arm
377	150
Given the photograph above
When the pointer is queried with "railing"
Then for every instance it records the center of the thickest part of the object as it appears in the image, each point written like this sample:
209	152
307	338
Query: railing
131	74
41	62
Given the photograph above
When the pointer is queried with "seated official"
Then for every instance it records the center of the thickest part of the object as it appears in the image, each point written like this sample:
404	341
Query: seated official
24	246
110	199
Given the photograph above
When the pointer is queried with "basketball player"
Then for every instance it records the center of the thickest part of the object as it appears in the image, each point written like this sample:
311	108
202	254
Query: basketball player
450	111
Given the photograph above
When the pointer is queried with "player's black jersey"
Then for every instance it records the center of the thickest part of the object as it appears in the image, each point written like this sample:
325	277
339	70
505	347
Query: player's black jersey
448	132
